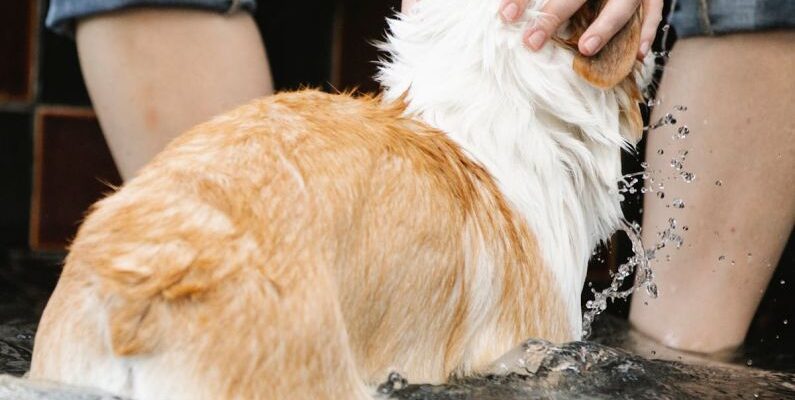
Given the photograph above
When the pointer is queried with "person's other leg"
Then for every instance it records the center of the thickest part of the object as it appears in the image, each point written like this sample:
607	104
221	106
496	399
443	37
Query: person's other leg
152	73
740	94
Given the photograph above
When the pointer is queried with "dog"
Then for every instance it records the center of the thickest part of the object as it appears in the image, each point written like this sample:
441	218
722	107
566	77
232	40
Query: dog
306	244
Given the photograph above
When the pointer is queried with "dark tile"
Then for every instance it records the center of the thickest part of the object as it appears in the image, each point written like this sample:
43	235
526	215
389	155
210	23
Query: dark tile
16	157
363	22
298	38
17	42
72	169
60	78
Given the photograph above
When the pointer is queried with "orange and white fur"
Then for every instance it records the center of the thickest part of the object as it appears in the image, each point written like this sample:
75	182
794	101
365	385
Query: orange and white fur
304	245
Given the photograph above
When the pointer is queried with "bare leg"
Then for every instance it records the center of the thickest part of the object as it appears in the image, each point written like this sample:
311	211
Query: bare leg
740	92
153	73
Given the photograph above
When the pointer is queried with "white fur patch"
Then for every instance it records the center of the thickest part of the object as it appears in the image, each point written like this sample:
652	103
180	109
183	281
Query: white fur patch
550	139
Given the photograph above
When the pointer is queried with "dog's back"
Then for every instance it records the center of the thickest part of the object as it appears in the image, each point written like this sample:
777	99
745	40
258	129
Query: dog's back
300	246
304	245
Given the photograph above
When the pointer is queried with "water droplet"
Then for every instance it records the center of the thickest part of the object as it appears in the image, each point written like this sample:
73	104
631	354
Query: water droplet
718	183
660	151
733	263
688	177
682	132
654	353
653	102
678	203
785	321
685	228
651	289
394	381
749	363
721	258
661	195
680	108
667	119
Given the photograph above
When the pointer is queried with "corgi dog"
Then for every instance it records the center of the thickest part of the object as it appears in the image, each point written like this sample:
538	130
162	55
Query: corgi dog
304	245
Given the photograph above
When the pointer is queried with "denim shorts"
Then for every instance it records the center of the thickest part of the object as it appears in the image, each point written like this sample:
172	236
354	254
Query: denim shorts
715	17
62	14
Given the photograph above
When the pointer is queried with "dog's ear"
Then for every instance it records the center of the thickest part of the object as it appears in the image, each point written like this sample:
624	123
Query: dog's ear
616	60
613	66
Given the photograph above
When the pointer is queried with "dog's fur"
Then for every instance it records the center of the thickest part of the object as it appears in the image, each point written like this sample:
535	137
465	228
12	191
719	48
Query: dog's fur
304	245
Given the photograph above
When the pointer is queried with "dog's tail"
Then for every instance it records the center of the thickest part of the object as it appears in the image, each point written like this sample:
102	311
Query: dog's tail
172	301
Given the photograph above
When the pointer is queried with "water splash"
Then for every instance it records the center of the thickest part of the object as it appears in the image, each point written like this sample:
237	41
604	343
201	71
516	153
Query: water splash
642	257
394	382
644	278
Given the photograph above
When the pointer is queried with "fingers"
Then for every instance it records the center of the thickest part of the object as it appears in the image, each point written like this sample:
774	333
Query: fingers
652	15
611	19
511	10
405	5
545	26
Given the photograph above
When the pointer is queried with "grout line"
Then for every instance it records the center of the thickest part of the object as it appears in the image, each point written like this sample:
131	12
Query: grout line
17	106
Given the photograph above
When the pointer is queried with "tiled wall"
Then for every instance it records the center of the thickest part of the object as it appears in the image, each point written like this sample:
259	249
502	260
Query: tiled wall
54	161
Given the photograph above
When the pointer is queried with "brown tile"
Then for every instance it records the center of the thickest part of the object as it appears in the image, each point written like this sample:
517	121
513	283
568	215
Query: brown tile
16	155
72	168
18	28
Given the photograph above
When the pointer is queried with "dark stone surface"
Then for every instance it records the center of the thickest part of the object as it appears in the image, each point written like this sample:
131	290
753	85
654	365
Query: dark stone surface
587	370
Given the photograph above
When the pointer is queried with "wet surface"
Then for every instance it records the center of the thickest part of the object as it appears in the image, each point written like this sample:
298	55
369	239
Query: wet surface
617	363
16	346
588	370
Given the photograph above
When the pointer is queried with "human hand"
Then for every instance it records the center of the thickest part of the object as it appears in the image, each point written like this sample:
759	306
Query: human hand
611	19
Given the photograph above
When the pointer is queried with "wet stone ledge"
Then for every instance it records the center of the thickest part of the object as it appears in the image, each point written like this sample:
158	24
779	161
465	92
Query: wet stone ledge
540	370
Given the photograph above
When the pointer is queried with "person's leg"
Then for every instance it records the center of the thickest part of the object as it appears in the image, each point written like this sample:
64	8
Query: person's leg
152	73
740	94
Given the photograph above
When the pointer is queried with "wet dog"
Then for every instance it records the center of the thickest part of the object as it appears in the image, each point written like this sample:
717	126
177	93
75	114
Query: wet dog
306	244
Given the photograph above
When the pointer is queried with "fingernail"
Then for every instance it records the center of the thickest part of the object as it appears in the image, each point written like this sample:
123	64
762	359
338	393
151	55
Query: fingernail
536	40
510	12
644	47
591	45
